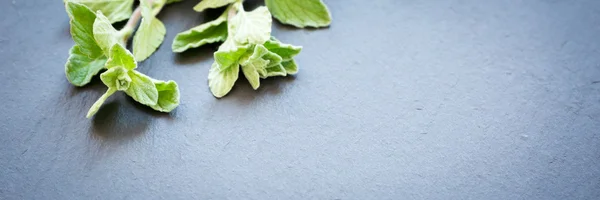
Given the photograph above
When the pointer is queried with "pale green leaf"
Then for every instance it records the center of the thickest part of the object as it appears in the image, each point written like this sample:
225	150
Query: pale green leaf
285	51
115	10
142	89
116	77
252	27
120	57
221	82
173	1
94	109
205	4
251	73
300	13
253	66
290	67
273	58
168	96
149	36
227	59
82	29
210	32
80	68
276	70
104	33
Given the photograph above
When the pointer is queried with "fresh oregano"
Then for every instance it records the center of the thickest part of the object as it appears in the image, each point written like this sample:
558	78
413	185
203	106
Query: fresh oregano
247	40
98	45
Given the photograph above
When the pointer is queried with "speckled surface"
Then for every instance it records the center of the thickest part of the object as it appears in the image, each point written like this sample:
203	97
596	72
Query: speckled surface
398	99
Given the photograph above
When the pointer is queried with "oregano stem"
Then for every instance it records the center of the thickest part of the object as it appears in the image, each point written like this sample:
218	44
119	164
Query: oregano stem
132	23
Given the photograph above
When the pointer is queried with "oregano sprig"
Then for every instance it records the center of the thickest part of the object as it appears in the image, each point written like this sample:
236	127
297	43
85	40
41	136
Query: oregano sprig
85	61
98	45
247	44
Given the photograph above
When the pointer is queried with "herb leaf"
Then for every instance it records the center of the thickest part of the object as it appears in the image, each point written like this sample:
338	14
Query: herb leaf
221	82
115	10
311	13
276	70
86	58
173	1
82	28
210	32
204	4
142	89
104	33
252	27
227	59
253	66
94	109
120	57
116	77
290	67
168	96
150	34
286	51
80	68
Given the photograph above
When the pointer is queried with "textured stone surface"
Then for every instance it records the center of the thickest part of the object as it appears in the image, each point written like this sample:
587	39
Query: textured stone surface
398	99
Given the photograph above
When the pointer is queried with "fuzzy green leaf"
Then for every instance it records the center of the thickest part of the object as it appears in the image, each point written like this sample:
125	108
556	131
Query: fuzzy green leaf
210	32
120	57
80	68
276	70
253	66
286	51
142	89
105	34
82	29
205	4
116	77
300	13
290	67
221	82
94	109
168	96
227	59
115	10
252	27
173	1
150	34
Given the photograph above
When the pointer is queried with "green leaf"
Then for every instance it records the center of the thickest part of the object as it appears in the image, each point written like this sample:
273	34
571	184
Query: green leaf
80	68
104	33
173	1
150	34
116	77
253	66
221	82
82	29
120	57
290	67
300	13
276	70
251	27
115	10
210	32
94	109
168	96
142	89
227	59
286	51
205	4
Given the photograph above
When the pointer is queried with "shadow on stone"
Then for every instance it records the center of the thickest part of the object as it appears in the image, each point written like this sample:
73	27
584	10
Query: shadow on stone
117	121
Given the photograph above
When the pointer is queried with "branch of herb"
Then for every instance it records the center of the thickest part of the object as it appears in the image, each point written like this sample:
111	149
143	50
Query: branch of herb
127	30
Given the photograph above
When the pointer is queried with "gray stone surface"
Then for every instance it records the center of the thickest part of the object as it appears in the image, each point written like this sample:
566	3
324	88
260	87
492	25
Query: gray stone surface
398	99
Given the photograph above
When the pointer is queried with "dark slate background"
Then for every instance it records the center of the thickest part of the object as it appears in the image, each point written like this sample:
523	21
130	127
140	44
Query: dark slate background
398	99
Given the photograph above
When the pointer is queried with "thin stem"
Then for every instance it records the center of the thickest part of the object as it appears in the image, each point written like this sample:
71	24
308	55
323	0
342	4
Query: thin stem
134	20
